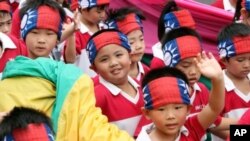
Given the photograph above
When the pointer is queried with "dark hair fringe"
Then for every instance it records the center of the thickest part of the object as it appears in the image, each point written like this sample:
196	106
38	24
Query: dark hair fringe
163	72
237	13
120	14
20	117
179	32
232	30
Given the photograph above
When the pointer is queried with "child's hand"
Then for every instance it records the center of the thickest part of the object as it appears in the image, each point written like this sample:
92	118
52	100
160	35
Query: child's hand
208	66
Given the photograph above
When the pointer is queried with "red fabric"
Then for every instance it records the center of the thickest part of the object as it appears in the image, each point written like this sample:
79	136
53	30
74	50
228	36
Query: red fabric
15	26
156	63
48	18
242	44
218	3
101	2
185	18
117	107
188	46
14	6
33	132
106	38
128	24
158	88
5	6
245	119
10	54
209	20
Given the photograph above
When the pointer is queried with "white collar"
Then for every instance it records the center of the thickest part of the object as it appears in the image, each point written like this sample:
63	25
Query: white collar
196	87
6	42
228	6
157	51
229	85
113	88
148	128
141	70
84	29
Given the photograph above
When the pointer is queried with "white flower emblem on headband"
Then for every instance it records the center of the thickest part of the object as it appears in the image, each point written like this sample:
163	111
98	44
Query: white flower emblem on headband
87	3
169	26
27	20
226	50
170	54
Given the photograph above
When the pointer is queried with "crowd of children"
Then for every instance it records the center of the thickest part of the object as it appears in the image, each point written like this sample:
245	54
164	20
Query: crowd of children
72	70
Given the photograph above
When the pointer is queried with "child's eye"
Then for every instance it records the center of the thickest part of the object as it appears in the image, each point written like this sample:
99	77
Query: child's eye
119	55
178	107
160	109
103	60
240	60
50	33
34	32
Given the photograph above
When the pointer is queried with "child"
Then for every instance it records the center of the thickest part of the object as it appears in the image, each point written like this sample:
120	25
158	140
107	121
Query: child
242	12
5	16
41	26
167	102
235	53
26	124
180	47
129	22
10	47
92	13
63	93
117	94
171	17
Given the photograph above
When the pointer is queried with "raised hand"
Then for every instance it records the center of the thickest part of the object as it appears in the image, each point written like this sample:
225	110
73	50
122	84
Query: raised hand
208	66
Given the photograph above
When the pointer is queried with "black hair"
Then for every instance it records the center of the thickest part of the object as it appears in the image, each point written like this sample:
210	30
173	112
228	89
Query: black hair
120	14
179	32
163	72
232	30
20	117
237	13
169	7
34	4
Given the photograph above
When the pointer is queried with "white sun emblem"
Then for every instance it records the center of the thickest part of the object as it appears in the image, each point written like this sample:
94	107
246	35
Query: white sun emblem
28	20
170	54
226	49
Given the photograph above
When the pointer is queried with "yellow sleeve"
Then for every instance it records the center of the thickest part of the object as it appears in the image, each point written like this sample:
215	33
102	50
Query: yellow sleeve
80	120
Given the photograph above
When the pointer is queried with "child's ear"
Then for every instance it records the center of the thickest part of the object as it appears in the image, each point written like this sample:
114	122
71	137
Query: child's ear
145	112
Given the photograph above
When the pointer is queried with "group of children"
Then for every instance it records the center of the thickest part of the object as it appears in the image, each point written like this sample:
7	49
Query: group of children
163	102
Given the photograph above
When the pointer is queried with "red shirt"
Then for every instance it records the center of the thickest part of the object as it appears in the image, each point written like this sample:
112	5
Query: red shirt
12	47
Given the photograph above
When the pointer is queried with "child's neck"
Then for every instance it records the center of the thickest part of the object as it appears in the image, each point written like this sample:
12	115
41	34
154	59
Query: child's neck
242	84
134	70
158	136
91	26
128	88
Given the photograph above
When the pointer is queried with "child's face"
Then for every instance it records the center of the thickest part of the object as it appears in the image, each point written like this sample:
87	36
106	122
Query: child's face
137	45
40	42
169	118
238	66
188	67
112	62
94	15
5	22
